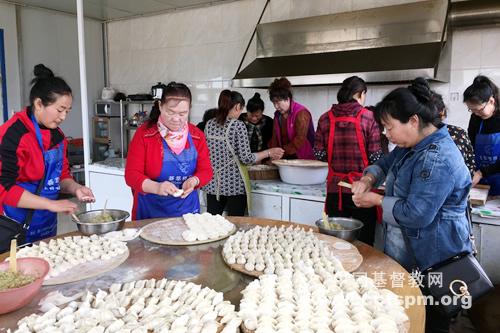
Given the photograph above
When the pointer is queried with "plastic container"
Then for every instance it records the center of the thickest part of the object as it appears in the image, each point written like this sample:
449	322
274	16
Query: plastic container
302	172
16	298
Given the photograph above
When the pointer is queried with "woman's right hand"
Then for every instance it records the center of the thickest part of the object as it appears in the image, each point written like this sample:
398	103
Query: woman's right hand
363	185
62	206
276	153
166	188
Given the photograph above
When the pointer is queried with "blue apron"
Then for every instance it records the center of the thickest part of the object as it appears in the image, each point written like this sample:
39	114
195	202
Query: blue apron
487	150
175	169
43	222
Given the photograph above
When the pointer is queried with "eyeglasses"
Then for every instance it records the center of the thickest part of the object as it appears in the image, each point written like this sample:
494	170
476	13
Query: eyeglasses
480	110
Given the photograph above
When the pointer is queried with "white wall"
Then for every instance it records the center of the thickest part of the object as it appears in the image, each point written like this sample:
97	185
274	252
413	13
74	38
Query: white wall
8	24
203	47
51	38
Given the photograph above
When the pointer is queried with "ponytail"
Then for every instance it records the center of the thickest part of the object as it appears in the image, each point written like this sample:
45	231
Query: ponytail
227	100
351	86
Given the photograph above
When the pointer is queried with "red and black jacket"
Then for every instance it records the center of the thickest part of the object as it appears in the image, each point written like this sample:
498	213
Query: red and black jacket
21	159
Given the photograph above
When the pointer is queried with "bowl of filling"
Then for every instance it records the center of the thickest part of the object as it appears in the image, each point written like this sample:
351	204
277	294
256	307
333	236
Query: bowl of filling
101	221
19	288
341	227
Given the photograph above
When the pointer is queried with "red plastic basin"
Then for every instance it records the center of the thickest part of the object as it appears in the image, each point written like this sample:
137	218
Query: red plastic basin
13	299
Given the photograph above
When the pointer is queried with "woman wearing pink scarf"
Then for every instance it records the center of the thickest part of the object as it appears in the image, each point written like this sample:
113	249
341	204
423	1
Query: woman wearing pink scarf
168	159
293	127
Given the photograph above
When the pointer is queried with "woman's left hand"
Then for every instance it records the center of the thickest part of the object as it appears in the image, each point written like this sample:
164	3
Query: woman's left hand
84	194
478	175
367	200
189	185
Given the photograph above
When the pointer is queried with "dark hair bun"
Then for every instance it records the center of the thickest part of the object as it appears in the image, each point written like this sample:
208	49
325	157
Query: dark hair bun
281	83
256	95
42	72
421	89
481	79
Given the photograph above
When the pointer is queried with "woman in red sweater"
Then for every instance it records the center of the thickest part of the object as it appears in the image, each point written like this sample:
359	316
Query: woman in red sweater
168	159
33	149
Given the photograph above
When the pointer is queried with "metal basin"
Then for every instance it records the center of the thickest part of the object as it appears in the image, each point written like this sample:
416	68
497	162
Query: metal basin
350	228
87	227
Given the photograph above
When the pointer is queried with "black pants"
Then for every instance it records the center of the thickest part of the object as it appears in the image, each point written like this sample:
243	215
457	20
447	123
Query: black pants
235	205
366	215
435	321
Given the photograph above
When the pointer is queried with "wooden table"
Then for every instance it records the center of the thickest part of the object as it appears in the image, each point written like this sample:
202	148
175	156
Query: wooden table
203	264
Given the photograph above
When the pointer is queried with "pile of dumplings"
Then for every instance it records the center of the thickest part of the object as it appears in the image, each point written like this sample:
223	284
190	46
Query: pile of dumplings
272	250
205	226
63	254
300	300
140	307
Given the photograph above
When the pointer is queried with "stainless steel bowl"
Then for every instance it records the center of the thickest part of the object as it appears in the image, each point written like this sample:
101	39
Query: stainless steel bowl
87	227
351	228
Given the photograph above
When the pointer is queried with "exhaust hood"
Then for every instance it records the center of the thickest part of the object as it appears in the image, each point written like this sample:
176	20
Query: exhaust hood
384	44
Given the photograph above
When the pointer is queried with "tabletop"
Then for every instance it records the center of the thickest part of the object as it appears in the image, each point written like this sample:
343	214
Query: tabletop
203	264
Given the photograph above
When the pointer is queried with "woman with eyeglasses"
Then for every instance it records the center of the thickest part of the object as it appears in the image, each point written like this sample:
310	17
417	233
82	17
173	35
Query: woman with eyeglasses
168	159
481	98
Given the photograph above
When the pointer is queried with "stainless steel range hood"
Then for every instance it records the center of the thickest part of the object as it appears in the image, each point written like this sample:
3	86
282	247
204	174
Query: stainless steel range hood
385	44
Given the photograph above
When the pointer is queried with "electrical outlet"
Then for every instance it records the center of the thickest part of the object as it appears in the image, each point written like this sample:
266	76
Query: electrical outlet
454	97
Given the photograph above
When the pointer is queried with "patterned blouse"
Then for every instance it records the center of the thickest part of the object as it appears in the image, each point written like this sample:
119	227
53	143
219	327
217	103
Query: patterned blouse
463	143
227	176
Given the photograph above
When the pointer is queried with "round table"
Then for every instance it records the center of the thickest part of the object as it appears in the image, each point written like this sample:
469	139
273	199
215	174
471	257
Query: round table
203	264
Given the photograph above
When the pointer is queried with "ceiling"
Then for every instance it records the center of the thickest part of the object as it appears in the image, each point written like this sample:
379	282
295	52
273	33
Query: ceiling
108	10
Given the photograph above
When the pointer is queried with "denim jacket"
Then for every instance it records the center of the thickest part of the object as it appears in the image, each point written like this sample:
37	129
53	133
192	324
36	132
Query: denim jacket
426	190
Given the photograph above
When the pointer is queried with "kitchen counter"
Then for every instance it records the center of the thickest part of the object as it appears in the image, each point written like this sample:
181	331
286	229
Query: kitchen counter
277	186
113	166
203	264
275	199
486	232
107	181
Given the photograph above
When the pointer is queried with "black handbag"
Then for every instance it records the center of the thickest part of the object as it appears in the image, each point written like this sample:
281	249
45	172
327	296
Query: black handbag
11	229
463	280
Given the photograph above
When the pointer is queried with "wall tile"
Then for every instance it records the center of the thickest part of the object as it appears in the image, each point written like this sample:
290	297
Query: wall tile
461	79
279	10
300	8
315	99
239	19
490	48
205	55
337	6
119	34
466	49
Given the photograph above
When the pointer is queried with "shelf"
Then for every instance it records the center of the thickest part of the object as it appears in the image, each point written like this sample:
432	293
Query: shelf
101	140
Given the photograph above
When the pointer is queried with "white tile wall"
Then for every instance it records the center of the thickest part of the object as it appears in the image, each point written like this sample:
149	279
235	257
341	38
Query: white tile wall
203	47
51	38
